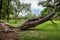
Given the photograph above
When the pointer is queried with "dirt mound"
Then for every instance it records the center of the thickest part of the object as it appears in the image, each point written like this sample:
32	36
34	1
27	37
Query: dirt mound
7	33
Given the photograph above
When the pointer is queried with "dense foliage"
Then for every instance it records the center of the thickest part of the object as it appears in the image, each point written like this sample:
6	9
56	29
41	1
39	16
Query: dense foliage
49	6
12	7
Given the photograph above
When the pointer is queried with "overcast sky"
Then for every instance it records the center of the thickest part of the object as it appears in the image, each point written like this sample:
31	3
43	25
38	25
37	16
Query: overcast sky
34	7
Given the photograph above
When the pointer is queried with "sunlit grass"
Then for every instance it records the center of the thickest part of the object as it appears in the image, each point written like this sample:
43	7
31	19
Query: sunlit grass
49	26
19	22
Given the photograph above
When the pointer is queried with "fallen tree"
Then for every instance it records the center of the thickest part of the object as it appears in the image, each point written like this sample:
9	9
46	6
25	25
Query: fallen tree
8	32
34	23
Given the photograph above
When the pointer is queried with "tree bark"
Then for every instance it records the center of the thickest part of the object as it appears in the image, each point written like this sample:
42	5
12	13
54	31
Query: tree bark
1	9
8	11
1	4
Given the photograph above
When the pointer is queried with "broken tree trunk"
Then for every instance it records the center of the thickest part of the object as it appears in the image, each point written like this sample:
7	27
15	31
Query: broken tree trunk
38	18
33	23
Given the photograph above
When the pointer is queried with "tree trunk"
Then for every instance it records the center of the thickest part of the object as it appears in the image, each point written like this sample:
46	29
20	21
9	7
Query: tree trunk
16	18
8	11
0	9
1	4
29	24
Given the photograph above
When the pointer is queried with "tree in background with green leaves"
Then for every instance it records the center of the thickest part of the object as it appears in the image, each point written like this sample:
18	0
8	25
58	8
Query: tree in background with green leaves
49	5
12	7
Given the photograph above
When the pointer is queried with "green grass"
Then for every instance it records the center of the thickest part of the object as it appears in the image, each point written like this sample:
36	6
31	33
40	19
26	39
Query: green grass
19	22
49	26
45	31
40	35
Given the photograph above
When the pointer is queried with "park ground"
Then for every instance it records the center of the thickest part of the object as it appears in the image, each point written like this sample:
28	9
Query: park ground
45	31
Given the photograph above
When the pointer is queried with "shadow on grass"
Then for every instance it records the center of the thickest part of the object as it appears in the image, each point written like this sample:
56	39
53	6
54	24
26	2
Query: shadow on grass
38	30
32	30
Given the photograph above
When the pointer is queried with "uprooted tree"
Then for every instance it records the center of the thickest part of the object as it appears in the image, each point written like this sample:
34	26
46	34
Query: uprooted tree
8	32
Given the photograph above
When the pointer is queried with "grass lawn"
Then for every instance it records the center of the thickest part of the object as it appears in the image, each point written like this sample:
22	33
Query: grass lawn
19	22
45	31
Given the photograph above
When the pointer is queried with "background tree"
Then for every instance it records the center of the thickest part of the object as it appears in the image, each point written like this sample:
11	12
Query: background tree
12	7
49	4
